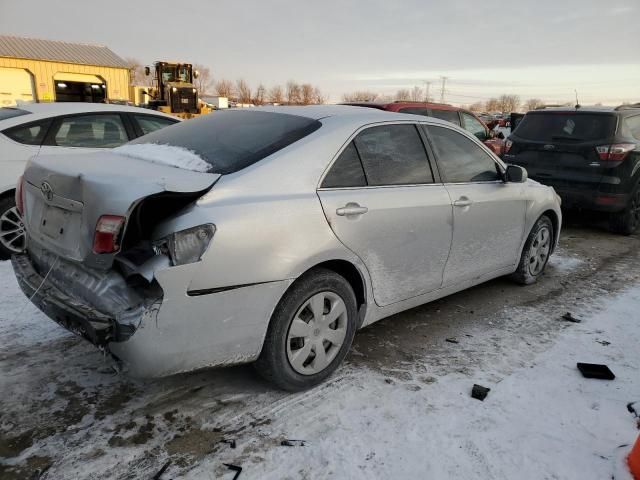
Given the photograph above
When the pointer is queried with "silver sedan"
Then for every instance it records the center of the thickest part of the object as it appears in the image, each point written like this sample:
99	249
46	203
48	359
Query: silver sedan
272	235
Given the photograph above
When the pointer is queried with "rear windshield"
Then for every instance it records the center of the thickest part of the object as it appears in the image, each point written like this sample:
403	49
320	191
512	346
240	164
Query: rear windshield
6	112
232	140
566	126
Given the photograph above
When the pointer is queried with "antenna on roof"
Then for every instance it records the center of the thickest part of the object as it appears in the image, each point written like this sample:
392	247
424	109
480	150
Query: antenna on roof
577	102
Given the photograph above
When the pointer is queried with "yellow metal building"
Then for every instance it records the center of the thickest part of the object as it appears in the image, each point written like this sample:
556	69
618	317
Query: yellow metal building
48	71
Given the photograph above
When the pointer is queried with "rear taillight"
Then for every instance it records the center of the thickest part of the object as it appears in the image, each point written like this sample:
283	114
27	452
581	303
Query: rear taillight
20	195
507	146
616	152
108	230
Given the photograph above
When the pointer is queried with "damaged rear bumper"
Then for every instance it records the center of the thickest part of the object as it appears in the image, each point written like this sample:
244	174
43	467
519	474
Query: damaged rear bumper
74	315
159	335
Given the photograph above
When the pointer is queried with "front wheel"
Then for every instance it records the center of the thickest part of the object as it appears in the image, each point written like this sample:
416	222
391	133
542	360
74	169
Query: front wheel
310	333
12	233
535	253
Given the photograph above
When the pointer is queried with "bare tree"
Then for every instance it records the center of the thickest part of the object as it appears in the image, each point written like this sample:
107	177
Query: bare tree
403	95
360	96
293	93
476	107
204	82
318	96
224	88
261	93
276	94
136	72
244	91
492	105
416	94
306	94
533	103
508	103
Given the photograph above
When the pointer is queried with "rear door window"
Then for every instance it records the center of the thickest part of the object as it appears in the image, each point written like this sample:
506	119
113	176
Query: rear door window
566	127
447	115
415	111
460	159
632	125
474	126
151	123
91	131
346	171
31	134
393	155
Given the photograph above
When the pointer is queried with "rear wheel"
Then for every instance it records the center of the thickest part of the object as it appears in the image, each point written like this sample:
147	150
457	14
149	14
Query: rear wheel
535	253
627	221
310	333
12	233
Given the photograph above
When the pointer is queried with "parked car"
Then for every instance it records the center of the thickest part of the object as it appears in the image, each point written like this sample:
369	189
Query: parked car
458	116
271	235
59	128
590	155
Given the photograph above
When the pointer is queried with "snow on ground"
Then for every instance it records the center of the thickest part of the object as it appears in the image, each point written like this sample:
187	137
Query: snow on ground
399	408
22	325
565	262
541	421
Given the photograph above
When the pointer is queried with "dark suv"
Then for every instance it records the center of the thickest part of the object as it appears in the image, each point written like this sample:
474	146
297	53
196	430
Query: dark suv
461	117
589	155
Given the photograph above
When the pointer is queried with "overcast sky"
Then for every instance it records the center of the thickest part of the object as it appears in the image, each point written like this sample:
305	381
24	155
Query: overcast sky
533	48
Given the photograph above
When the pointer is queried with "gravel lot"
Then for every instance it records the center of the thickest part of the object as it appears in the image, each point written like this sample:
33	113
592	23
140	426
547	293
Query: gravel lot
64	413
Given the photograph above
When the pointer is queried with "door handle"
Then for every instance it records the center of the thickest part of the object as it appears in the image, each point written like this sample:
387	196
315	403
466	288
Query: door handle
351	209
462	202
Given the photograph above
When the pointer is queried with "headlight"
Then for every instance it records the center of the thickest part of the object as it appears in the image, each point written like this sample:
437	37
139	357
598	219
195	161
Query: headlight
187	246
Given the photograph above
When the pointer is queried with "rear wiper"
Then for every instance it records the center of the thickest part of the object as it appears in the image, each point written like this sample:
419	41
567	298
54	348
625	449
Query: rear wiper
564	137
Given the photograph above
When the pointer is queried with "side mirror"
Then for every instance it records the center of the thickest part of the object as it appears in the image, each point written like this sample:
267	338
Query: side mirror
196	74
515	174
147	71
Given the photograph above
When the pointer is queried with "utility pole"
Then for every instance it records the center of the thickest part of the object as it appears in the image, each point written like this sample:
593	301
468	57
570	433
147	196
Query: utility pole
426	91
444	82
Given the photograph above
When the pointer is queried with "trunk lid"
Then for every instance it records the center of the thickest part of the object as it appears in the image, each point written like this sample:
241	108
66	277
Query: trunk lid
66	195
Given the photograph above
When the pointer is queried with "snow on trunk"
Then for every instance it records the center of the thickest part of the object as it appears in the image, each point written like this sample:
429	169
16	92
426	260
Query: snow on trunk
170	155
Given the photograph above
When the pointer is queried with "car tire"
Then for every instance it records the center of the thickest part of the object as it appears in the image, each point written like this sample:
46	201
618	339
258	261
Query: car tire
289	356
536	252
11	242
627	221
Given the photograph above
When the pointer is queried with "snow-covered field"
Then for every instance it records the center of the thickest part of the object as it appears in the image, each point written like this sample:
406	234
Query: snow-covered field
400	407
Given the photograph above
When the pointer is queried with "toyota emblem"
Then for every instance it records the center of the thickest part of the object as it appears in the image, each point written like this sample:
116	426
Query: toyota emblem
47	191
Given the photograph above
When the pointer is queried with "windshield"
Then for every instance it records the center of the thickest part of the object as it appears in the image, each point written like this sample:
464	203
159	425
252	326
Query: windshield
232	140
566	126
176	73
11	112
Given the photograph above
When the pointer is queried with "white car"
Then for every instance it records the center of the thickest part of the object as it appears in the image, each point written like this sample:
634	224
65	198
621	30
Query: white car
59	128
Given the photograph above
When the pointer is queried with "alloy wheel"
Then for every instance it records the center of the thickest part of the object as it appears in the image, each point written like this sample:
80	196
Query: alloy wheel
539	251
12	233
317	333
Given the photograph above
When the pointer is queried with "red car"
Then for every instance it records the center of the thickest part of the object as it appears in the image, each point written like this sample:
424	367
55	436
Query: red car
461	117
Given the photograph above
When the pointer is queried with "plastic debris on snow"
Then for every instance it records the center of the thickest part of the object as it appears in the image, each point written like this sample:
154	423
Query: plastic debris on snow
168	155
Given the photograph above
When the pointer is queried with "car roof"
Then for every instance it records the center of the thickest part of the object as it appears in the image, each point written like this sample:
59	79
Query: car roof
589	109
39	111
346	114
395	106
